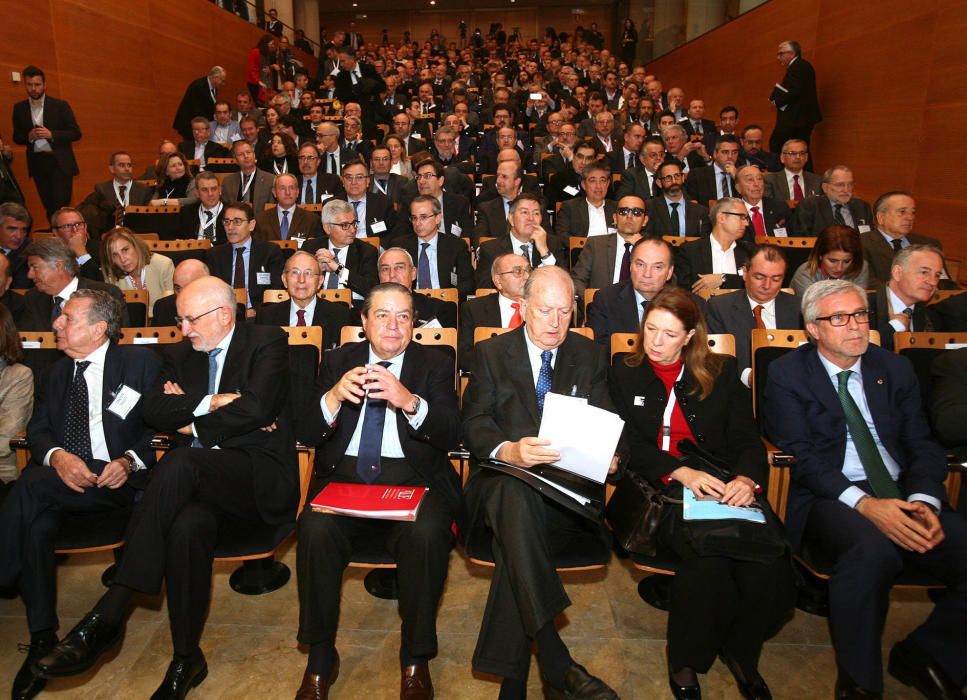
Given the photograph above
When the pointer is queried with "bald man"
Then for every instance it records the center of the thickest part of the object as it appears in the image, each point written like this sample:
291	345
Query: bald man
186	272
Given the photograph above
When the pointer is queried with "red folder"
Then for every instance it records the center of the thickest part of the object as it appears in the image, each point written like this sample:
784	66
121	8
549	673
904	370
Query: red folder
370	501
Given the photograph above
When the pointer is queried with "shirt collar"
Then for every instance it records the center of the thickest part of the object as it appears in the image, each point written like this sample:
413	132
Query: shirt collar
396	363
896	303
246	246
66	292
97	357
309	308
534	352
832	370
767	305
224	343
889	239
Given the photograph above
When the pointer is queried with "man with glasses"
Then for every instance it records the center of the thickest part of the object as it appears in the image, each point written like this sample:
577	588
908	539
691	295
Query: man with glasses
566	184
670	213
287	220
504	309
444	141
396	265
429	177
868	495
347	263
561	148
15	223
201	147
836	205
606	260
245	262
793	182
218	391
592	214
374	211
316	185
717	261
640	181
68	225
302	279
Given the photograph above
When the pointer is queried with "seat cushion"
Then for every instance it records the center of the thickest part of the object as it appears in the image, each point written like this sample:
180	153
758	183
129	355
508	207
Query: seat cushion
88	530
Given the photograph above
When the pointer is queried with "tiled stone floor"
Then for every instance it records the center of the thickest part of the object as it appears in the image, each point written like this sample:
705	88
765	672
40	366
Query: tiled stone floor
252	652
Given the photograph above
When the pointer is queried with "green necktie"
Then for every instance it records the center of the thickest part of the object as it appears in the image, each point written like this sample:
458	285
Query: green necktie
877	474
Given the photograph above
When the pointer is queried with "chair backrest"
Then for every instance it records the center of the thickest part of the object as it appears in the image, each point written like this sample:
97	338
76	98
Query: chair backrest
722	343
152	209
271	296
179	244
796	250
147	236
676	241
922	349
372	240
38	340
154	335
40	352
314	208
158	219
448	294
622	343
484	239
241	297
588	298
305	335
944	294
575	244
137	302
343	295
288	244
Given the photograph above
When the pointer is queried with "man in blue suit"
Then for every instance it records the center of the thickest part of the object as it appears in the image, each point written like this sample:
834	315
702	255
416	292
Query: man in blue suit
868	492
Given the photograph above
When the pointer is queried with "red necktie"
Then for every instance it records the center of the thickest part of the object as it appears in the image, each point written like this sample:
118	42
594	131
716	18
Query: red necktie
758	223
301	313
757	312
515	320
796	189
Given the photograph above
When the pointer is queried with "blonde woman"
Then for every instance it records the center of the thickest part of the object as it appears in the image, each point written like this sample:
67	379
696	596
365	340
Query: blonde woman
128	264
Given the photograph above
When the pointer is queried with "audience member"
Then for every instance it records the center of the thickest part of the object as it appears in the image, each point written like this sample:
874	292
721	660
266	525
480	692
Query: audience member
103	208
286	220
175	182
901	305
198	101
375	214
205	218
767	216
346	262
16	391
396	265
602	260
837	254
250	184
187	271
836	205
69	226
716	261
201	147
592	214
793	182
670	213
15	224
128	264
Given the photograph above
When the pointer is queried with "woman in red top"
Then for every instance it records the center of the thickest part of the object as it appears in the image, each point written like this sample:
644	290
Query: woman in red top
718	605
258	60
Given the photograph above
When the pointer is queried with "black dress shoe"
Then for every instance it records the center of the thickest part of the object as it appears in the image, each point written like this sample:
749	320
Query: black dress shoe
27	684
78	651
689	690
910	665
580	685
751	689
846	689
182	676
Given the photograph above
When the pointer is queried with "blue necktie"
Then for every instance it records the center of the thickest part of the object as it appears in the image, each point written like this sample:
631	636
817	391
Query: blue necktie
333	281
544	379
423	280
285	225
371	438
213	370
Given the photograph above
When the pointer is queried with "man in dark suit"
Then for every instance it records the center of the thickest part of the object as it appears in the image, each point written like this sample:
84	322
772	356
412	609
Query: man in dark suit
763	305
402	128
12	300
592	214
836	205
302	278
526	237
602	261
54	270
200	147
287	220
383	181
566	184
716	261
711	184
360	83
103	208
205	219
375	214
345	261
767	216
15	223
218	389
901	305
502	309
797	107
332	155
752	152
198	101
430	177
186	272
624	159
352	143
501	415
692	155
508	162
249	184
386	379
442	261
640	182
689	219
867	493
69	225
793	182
245	262
82	462
47	127
697	128
396	265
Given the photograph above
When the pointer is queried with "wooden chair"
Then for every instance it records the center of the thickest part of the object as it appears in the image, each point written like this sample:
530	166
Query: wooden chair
272	296
795	249
147	236
288	244
676	241
158	219
342	295
944	294
178	244
480	292
372	240
449	294
487	332
137	302
623	343
154	335
922	349
575	244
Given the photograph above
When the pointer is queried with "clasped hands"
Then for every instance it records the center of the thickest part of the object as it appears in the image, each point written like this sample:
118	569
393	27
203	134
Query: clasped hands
373	380
913	526
740	491
217	401
73	471
530	451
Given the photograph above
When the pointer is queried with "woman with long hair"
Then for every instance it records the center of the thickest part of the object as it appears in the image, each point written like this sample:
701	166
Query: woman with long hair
175	182
837	254
128	264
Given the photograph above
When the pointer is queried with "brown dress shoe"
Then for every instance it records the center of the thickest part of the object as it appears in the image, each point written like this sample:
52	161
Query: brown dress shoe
416	683
315	687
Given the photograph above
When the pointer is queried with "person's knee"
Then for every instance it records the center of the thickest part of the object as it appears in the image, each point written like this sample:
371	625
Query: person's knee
874	560
318	528
195	524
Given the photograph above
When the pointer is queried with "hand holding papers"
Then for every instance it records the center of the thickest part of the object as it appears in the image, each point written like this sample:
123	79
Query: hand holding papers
711	509
585	436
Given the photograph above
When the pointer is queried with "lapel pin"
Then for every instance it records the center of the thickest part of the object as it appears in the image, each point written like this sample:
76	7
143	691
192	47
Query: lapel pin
879	381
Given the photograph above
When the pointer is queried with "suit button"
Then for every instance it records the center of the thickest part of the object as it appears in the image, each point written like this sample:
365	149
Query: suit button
690	418
700	438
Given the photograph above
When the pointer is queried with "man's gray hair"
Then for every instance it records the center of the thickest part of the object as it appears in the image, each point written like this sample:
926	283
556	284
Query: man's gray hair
791	46
674	127
398	250
722	204
52	251
216	72
902	257
17	212
103	307
335	207
818	291
828	175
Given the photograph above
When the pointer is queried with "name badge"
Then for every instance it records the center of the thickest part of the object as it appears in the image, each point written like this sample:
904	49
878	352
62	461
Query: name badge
863	228
124	400
780	232
378	226
571	190
639	401
263	278
456	230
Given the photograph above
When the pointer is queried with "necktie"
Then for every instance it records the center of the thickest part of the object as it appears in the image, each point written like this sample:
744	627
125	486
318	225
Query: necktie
544	377
333	281
213	370
515	319
881	482
55	309
77	437
631	160
371	438
838	214
908	312
242	190
726	190
119	209
301	313
796	189
897	245
284	228
356	209
757	312
676	224
758	223
383	184
698	127
332	164
625	269
644	310
238	279
423	280
209	230
525	251
310	197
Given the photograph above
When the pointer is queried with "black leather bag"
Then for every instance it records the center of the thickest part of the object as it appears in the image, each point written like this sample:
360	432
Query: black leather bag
635	513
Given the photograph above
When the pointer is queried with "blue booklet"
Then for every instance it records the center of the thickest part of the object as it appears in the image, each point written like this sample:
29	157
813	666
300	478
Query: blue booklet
702	509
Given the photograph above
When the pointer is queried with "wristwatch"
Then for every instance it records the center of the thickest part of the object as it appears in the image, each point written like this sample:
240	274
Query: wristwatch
132	465
415	406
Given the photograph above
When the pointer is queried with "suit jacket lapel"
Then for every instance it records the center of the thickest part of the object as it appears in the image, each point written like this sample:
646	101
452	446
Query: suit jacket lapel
565	369
233	361
611	252
822	387
110	382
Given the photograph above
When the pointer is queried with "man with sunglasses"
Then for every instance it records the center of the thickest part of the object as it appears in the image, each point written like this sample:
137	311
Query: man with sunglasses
346	263
868	495
606	260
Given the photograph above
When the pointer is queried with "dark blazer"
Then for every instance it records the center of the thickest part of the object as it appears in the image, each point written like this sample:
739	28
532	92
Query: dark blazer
924	317
694	258
453	260
732	313
165	309
775	214
212	150
635	182
331	315
530	183
133	366
379	207
778	187
260	191
948	409
491	250
18	266
879	254
764	160
816	213
364	91
426	308
361	149
618	160
39	306
263	257
188	223
427	372
798	97
614	310
572	219
491	220
595	265
558	182
456	210
805	418
91	269
98	207
196	102
361	259
15	305
659	221
305	222
256	365
721	423
702	185
59	118
327	187
394	186
709	132
483	312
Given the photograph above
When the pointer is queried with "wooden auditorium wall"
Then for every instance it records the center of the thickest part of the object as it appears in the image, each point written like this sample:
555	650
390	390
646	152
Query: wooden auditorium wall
123	67
892	80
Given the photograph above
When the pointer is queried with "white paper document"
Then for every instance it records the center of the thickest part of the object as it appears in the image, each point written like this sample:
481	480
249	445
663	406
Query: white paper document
586	436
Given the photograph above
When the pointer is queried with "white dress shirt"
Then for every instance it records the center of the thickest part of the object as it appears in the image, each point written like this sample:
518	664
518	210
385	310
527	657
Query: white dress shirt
506	310
517	246
597	221
723	261
94	377
310	310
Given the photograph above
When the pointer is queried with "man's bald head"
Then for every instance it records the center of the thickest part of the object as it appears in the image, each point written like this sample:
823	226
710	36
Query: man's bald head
508	154
187	272
206	308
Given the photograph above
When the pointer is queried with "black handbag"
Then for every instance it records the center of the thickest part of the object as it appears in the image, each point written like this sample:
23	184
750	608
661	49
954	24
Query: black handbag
635	513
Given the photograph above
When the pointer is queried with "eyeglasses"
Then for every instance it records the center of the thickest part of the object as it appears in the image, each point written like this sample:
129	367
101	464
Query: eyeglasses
796	154
346	225
837	320
355	178
192	320
234	223
301	273
309	159
669	178
734	213
631	211
516	272
76	226
426	176
422	217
